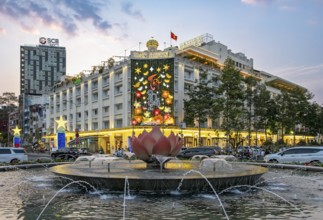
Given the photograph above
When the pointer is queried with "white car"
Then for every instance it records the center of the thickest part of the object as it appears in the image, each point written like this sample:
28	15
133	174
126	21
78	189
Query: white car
12	155
297	155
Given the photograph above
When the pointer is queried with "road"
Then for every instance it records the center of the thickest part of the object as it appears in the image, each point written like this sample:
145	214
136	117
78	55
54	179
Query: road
35	156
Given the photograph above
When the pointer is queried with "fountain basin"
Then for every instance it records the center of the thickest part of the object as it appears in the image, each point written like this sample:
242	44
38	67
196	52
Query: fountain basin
111	175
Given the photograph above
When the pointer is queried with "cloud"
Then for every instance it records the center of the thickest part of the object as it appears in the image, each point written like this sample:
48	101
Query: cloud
127	7
300	71
308	76
257	2
287	8
65	14
2	31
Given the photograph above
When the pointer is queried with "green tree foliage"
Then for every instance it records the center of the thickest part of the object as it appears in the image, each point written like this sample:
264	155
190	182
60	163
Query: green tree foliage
8	102
262	111
250	94
199	103
231	99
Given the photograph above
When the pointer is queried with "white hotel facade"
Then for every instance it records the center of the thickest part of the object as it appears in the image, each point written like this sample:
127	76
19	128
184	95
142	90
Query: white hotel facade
99	104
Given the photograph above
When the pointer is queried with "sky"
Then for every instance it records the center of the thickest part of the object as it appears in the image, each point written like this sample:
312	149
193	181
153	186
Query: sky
284	37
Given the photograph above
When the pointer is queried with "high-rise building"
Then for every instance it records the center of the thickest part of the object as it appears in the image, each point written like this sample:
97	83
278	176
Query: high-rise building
41	66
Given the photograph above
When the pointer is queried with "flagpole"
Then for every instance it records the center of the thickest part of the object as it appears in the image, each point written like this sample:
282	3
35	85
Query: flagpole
170	38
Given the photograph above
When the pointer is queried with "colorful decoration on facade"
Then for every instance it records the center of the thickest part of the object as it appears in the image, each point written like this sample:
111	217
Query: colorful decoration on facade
61	138
152	84
16	138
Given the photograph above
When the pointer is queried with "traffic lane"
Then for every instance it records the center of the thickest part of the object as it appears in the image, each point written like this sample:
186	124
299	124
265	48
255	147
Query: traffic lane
36	156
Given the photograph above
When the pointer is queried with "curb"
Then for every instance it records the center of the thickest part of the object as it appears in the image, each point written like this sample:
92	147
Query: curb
286	166
29	166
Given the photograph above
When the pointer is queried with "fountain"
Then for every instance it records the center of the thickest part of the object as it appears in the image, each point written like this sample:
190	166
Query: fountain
158	170
40	194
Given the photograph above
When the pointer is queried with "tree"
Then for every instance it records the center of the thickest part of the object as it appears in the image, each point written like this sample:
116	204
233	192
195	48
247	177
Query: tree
299	107
231	98
198	106
250	99
8	99
8	102
262	102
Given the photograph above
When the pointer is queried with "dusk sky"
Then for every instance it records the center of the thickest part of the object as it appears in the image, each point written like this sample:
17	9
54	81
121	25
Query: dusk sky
284	37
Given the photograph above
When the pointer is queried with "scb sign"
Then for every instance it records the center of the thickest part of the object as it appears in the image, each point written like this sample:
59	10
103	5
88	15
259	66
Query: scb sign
48	41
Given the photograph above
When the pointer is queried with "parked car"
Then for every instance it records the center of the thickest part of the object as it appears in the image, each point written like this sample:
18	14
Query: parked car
297	155
190	152
66	153
12	155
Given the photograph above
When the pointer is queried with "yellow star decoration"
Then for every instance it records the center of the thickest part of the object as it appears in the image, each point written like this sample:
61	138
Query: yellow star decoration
147	114
16	131
138	70
61	123
145	65
136	104
158	69
166	67
167	109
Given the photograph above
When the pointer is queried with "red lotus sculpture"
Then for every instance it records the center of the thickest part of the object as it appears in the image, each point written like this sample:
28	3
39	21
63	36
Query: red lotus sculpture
155	143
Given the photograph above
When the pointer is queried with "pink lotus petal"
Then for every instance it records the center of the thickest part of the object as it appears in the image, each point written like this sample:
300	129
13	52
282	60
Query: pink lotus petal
148	141
156	133
177	148
172	139
139	149
162	147
142	135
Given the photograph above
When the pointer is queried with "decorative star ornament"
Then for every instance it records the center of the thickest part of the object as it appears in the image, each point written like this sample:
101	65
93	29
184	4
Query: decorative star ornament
166	67
16	131
138	70
137	104
61	123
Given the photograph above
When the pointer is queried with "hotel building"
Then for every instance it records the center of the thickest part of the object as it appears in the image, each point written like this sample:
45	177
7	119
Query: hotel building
146	88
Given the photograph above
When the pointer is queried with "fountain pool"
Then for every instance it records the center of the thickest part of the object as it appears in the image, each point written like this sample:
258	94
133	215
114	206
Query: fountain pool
278	194
110	173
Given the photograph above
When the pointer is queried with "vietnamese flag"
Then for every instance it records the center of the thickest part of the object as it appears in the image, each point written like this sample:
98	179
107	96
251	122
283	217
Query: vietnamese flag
173	36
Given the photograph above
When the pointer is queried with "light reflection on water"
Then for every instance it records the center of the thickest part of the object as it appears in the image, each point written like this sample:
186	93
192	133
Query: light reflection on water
25	193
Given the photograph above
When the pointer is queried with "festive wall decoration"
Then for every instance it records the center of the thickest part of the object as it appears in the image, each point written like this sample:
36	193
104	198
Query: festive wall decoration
16	138
61	126
152	89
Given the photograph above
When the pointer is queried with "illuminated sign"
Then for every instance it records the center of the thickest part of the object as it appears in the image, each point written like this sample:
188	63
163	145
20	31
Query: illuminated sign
48	41
152	91
197	41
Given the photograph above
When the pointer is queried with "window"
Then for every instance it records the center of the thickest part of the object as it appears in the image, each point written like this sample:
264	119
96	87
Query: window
95	126
106	93
118	90
118	123
291	151
106	80
106	124
95	84
188	75
105	110
95	97
95	112
118	76
118	107
5	151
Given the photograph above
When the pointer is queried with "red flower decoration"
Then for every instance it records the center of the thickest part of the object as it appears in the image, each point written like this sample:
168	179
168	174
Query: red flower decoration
156	111
138	94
